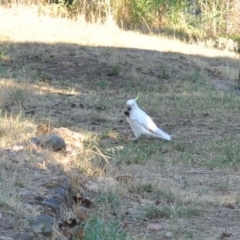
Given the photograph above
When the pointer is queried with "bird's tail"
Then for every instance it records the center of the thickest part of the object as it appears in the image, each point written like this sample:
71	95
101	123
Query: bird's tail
163	135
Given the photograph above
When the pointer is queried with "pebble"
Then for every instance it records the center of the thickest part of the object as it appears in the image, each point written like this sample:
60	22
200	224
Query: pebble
42	224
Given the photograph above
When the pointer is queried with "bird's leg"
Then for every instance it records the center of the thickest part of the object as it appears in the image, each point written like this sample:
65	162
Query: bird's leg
135	139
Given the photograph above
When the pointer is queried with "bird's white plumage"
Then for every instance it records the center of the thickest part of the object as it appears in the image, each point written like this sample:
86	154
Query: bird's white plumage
141	123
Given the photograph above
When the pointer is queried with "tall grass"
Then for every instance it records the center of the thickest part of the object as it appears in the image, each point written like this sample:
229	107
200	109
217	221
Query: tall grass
188	19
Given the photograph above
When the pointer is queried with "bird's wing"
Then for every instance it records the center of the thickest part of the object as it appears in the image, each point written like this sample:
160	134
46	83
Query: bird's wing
147	123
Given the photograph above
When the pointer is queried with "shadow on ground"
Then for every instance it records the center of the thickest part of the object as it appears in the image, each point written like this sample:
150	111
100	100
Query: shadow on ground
59	79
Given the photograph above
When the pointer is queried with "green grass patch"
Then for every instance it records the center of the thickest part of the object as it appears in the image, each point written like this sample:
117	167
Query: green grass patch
175	210
109	198
97	228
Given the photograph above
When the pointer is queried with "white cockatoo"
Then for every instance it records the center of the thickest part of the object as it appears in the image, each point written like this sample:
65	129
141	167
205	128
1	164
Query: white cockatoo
141	123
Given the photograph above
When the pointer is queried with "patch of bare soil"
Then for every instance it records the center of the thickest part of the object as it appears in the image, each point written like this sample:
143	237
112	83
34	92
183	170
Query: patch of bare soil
76	64
219	212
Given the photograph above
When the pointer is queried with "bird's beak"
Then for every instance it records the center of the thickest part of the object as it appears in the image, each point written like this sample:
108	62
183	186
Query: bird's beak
129	108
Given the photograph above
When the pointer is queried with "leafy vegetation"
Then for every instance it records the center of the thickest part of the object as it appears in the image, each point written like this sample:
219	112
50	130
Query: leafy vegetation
186	19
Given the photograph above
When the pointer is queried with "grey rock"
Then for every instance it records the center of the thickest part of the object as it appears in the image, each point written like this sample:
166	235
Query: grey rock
15	235
42	224
58	191
53	142
169	235
36	140
52	203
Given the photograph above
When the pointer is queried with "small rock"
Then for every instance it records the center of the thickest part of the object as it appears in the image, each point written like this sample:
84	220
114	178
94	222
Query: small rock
24	236
32	207
42	224
12	234
100	108
55	142
168	234
51	203
69	136
58	192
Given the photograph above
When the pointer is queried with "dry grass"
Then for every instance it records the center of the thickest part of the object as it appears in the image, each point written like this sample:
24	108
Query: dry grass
64	72
79	32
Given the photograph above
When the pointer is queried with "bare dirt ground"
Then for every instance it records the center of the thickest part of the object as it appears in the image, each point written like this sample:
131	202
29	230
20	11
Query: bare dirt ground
80	76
